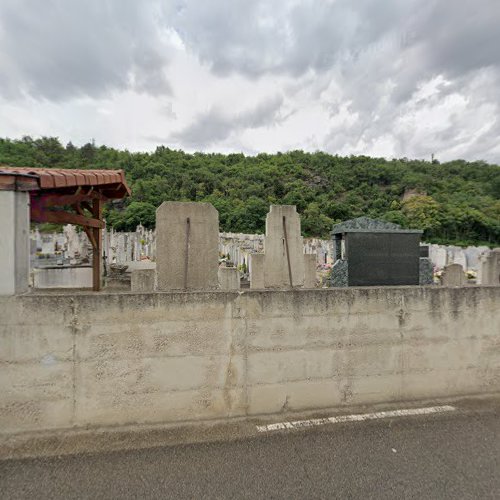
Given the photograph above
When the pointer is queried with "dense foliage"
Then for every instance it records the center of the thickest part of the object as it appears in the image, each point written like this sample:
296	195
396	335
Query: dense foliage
456	202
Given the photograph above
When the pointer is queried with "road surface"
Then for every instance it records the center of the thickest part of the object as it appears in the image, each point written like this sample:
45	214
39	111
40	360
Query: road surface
454	455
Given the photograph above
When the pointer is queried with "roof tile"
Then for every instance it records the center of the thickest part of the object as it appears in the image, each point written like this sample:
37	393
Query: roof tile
50	178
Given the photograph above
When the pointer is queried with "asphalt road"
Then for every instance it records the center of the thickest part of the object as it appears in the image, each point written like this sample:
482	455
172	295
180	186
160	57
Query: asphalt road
455	456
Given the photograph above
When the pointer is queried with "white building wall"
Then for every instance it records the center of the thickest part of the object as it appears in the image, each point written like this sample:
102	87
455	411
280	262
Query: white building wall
14	242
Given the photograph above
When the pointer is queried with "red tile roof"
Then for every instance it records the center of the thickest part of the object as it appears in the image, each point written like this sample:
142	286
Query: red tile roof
56	178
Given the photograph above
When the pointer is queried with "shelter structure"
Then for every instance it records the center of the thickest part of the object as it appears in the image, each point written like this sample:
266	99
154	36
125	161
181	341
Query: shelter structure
370	252
61	196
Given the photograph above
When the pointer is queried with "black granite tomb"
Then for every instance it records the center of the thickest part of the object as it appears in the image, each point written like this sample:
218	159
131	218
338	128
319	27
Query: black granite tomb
371	252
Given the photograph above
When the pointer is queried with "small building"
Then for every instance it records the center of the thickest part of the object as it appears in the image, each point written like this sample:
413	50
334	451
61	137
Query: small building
60	196
369	252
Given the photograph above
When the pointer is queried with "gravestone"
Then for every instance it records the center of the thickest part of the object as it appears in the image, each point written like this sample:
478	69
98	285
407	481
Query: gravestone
489	268
229	278
472	255
310	270
453	275
187	239
372	252
438	255
256	264
283	263
426	271
283	248
424	251
340	271
72	241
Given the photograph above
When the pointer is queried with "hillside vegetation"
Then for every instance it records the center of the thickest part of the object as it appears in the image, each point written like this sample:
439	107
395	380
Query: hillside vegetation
457	202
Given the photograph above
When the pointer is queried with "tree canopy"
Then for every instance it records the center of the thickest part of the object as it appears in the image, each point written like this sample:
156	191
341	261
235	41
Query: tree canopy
456	202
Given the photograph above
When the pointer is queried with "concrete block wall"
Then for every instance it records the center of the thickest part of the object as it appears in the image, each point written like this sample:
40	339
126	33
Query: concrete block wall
79	360
63	277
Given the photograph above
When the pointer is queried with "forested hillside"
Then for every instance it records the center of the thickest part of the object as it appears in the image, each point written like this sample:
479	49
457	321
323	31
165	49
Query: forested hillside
456	202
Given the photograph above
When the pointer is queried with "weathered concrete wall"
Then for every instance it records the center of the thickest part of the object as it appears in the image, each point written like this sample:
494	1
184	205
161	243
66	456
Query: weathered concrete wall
142	280
14	242
63	277
74	360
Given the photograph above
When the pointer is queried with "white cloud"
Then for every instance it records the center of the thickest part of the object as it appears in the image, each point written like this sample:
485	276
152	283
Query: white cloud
396	78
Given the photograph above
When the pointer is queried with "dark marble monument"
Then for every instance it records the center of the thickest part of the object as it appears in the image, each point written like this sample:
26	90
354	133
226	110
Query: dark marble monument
371	252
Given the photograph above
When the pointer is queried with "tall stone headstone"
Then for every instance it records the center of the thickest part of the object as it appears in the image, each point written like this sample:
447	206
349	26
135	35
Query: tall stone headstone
257	270
72	241
187	239
489	268
438	256
310	270
283	263
283	248
453	275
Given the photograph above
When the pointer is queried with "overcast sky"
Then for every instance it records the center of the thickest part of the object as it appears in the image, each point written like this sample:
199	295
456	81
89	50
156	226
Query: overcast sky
389	78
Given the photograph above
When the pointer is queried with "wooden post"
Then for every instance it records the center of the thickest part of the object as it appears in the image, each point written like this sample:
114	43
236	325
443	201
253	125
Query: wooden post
97	249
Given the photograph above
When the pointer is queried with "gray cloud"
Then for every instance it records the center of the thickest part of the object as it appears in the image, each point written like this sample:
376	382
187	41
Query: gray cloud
58	49
367	57
263	36
378	53
216	125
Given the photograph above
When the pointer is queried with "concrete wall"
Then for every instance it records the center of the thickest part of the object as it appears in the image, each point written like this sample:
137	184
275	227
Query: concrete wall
63	277
74	360
143	280
14	242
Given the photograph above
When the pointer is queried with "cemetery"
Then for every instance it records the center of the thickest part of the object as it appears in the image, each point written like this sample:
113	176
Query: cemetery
181	340
68	256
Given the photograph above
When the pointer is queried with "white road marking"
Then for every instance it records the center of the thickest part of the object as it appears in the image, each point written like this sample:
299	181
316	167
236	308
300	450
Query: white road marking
299	424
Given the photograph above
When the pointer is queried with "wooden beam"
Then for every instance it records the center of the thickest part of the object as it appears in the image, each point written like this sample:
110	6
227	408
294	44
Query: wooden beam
88	231
97	250
53	200
18	183
61	217
86	206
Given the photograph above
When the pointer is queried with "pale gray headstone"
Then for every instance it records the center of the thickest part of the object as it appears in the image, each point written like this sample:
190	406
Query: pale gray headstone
202	240
453	275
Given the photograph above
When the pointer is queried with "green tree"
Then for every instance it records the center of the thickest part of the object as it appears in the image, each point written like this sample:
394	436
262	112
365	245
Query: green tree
315	223
138	212
422	212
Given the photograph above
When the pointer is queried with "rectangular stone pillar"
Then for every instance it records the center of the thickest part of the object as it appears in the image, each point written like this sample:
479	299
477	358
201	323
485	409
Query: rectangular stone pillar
283	248
187	241
310	270
142	280
256	266
229	278
14	242
489	268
